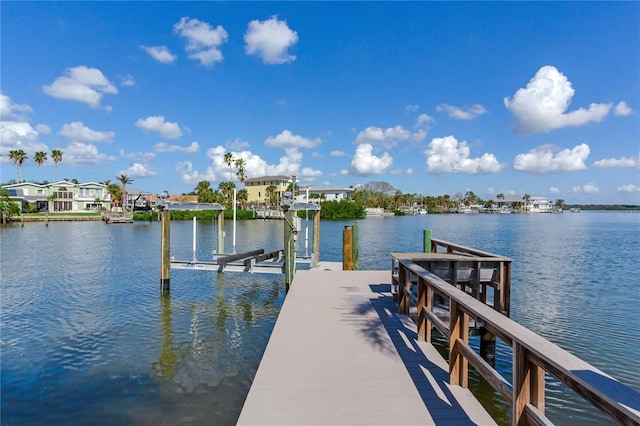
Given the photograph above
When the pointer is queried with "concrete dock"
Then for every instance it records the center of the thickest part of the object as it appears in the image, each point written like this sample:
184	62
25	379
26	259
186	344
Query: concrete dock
340	354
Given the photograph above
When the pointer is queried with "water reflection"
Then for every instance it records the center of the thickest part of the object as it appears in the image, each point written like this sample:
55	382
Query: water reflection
166	364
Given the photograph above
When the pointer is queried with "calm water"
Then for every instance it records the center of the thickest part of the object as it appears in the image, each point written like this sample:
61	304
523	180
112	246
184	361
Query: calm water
86	337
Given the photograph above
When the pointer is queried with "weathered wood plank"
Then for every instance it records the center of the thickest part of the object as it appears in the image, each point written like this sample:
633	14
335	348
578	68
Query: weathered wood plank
233	257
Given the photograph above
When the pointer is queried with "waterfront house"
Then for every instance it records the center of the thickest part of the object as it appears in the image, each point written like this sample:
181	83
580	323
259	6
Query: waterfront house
61	196
323	193
257	188
539	205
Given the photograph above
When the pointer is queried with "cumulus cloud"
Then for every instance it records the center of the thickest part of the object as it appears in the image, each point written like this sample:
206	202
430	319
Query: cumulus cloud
237	145
78	132
138	157
622	109
160	53
12	112
550	159
589	188
165	147
631	188
542	105
43	129
447	155
389	137
127	81
270	40
554	190
156	123
470	113
203	41
618	163
286	139
81	84
289	164
138	170
15	130
424	120
84	154
337	153
365	163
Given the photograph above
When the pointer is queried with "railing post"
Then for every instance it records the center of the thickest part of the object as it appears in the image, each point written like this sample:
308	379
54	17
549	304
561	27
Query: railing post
289	248
459	329
528	384
422	302
165	253
506	289
403	303
347	253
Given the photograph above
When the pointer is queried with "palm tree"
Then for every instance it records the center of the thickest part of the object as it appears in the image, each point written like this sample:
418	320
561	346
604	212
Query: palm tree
20	157
243	196
228	158
13	155
203	186
40	158
56	156
270	193
115	194
526	199
124	180
241	172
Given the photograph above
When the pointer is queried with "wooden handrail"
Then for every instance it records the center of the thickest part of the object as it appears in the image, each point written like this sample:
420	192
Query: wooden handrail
532	354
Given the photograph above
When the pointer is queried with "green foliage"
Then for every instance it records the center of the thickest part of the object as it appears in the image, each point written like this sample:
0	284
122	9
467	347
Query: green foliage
198	214
31	208
343	209
8	208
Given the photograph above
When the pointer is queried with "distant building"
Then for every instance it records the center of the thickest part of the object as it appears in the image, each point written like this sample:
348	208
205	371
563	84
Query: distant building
324	193
539	205
257	188
61	196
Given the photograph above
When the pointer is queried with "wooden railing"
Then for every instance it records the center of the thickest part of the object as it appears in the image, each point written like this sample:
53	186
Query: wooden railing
533	356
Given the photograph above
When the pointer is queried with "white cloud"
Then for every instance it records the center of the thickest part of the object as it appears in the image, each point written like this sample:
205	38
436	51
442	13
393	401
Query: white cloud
554	190
309	174
410	108
289	164
424	119
622	109
84	154
409	171
203	41
10	111
43	129
81	84
618	163
237	145
589	188
365	163
138	157
542	105
631	188
337	153
165	147
286	139
389	137
127	81
470	113
549	159
270	40
78	132
19	135
160	53
138	170
447	155
156	123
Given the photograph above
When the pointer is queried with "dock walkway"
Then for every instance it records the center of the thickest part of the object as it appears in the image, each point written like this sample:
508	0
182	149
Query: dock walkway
340	354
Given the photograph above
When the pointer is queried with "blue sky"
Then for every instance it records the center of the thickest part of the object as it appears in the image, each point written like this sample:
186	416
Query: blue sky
438	98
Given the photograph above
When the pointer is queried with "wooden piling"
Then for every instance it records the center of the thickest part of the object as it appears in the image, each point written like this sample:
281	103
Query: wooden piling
289	248
426	241
347	251
354	246
165	258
